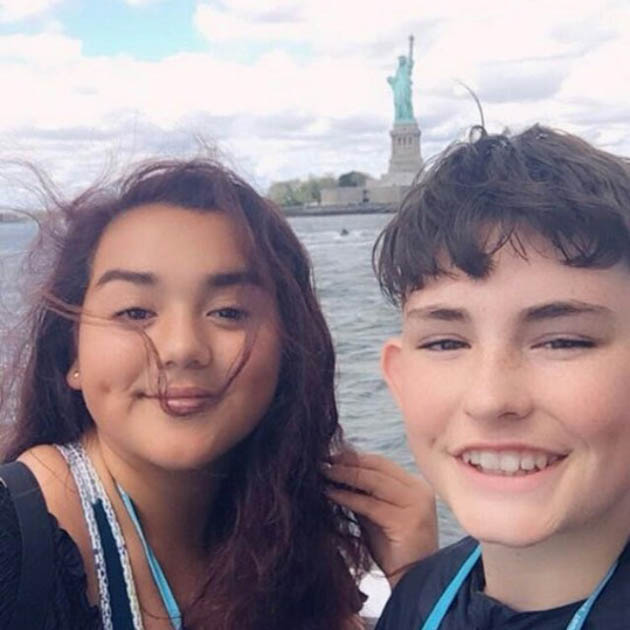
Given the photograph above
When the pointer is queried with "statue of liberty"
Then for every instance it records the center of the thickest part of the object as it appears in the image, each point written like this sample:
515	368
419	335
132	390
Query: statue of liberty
401	87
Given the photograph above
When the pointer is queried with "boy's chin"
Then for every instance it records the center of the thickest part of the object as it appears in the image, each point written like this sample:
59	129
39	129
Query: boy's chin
509	530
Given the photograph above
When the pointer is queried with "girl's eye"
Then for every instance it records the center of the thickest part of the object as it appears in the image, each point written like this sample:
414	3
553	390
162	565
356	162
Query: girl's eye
135	314
442	345
230	313
563	343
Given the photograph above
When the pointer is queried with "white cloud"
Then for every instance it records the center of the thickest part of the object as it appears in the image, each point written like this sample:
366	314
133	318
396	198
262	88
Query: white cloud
16	10
312	95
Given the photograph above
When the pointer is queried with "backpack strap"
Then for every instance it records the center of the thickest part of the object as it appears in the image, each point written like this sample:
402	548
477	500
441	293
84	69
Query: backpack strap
36	575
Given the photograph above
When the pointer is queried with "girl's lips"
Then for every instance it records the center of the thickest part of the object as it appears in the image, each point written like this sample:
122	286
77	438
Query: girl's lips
186	405
187	391
183	401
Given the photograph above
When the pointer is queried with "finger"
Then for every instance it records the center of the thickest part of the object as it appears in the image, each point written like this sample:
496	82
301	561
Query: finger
379	512
373	483
372	461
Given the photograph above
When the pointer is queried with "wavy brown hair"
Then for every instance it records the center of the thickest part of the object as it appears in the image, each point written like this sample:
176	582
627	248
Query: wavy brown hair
284	556
479	194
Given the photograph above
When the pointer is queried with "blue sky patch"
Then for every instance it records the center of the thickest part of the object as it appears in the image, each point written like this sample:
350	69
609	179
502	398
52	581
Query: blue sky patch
148	33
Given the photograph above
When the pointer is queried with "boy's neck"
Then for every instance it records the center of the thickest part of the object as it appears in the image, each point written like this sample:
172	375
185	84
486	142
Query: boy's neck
556	572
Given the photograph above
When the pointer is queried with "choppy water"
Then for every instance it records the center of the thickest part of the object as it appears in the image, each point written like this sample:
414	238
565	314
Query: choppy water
358	316
360	320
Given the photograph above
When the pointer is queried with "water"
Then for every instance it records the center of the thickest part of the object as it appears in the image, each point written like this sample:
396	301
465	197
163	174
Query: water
358	316
360	320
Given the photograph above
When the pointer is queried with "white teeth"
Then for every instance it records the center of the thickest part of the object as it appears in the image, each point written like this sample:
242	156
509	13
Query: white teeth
528	462
489	460
511	463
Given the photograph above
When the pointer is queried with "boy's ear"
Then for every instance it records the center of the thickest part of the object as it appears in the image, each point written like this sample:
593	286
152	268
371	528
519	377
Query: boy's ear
73	376
391	365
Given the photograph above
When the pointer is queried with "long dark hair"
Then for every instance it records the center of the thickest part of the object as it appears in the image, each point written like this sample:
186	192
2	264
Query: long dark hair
478	194
283	555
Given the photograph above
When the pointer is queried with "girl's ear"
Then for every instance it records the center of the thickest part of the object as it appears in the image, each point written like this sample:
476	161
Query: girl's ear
73	376
391	366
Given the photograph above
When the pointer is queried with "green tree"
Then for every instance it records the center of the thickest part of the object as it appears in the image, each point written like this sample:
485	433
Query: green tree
294	192
352	179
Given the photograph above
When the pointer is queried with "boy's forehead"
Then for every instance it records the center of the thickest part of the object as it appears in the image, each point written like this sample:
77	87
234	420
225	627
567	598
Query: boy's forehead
535	272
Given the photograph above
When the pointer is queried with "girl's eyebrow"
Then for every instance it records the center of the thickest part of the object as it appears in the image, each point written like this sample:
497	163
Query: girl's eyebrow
126	275
213	280
231	278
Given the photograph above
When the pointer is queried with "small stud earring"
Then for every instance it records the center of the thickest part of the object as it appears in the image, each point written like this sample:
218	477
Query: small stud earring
75	374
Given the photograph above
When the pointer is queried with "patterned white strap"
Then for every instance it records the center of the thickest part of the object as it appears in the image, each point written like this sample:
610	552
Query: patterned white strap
90	491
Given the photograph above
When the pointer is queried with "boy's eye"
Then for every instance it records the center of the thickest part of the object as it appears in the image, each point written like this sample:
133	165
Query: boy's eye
441	345
563	343
135	314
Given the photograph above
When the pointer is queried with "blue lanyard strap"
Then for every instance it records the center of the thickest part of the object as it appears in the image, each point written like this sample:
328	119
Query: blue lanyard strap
156	570
450	592
580	616
446	599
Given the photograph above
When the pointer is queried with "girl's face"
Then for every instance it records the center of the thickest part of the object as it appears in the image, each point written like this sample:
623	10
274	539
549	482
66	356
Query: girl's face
181	278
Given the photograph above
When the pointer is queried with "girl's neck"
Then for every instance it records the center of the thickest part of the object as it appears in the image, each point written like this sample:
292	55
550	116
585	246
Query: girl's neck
173	507
561	570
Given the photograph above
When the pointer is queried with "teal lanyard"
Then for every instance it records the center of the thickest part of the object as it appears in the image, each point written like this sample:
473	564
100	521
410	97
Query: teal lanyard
446	599
156	570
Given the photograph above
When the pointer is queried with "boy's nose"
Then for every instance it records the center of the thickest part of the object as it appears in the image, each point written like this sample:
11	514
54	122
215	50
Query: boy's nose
498	388
183	342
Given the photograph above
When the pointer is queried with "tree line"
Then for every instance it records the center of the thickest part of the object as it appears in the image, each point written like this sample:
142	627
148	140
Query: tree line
298	192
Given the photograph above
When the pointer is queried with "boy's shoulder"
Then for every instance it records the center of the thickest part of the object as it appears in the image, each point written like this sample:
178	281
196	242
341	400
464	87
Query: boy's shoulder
421	586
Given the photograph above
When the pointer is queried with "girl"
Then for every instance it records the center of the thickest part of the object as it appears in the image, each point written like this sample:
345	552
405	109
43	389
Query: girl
175	404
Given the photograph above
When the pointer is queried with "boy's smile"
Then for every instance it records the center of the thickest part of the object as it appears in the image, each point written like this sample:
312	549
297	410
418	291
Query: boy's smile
516	394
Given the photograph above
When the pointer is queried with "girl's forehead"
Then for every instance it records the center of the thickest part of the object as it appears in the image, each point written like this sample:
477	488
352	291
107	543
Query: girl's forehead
165	237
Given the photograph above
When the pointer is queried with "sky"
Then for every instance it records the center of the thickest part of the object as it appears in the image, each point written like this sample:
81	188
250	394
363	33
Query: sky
280	89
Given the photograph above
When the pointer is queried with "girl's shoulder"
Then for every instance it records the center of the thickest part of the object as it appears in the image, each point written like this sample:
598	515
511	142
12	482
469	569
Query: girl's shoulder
69	605
63	502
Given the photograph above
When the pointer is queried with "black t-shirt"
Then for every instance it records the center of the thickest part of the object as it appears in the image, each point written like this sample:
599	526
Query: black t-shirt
418	591
68	608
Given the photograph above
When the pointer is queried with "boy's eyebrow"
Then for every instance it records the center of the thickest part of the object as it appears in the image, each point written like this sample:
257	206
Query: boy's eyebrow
566	308
550	310
439	312
216	280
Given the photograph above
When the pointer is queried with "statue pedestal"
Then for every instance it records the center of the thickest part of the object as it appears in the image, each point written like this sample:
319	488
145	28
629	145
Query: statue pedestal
405	160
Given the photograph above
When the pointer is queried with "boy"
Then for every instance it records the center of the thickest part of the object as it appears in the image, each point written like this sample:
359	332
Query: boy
511	261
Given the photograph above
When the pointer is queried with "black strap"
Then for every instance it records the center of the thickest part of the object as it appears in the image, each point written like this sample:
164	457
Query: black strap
36	575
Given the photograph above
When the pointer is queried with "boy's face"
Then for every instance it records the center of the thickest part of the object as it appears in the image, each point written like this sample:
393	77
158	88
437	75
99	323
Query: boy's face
516	395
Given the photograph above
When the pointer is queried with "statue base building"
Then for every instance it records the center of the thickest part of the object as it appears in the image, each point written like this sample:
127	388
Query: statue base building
405	160
404	163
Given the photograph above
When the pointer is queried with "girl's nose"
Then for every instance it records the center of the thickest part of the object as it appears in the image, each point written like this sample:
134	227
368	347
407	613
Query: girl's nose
184	342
